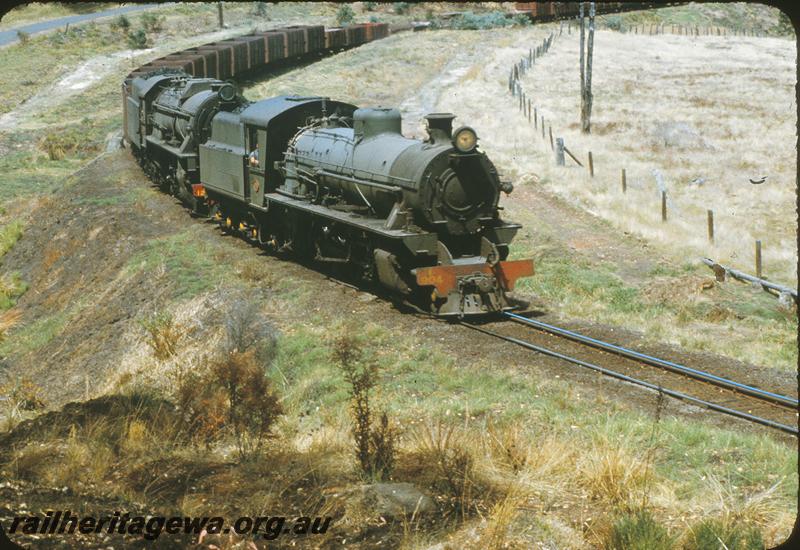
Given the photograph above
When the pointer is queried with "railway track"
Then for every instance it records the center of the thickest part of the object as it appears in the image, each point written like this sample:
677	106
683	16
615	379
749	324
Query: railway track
697	387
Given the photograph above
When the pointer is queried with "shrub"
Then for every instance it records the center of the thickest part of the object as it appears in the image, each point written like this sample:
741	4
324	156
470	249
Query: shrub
152	22
374	445
121	23
163	335
613	22
488	20
260	9
345	15
401	8
23	37
715	533
247	330
369	6
638	531
252	405
137	40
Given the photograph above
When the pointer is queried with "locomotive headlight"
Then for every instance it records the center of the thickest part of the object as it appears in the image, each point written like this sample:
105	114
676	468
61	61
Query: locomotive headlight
465	139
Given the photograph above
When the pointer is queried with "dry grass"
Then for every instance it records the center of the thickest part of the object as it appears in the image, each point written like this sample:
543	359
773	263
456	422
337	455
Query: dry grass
684	115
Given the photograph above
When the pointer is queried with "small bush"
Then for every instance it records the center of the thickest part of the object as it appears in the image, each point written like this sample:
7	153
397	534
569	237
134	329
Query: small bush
613	22
715	533
121	23
260	9
23	37
152	22
253	406
246	329
369	6
345	15
488	20
163	335
401	8
374	445
137	40
638	531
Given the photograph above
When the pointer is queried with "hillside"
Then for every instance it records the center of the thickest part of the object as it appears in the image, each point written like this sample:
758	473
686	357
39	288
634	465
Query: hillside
120	309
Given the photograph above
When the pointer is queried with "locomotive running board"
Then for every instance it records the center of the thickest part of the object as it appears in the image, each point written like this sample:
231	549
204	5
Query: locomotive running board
423	243
445	277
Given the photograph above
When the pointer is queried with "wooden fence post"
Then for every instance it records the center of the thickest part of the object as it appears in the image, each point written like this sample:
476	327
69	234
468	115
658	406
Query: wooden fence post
624	182
542	126
663	206
591	165
552	146
560	151
535	118
710	215
758	259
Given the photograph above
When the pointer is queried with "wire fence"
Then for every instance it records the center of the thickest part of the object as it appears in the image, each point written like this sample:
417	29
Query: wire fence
669	209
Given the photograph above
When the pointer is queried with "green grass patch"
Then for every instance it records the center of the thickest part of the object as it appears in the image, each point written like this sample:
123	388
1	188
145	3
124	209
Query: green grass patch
9	235
33	336
638	531
11	288
715	533
190	264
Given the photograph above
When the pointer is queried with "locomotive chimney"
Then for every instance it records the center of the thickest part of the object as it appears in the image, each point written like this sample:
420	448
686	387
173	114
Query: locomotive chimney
440	126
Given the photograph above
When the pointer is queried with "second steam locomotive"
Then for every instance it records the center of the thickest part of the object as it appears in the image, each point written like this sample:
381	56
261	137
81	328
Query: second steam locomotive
336	184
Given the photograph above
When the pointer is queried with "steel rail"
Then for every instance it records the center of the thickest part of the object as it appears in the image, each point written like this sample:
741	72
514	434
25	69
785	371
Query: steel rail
620	376
777	399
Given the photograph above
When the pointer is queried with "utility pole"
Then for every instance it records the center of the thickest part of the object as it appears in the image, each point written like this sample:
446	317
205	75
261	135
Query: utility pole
221	20
586	69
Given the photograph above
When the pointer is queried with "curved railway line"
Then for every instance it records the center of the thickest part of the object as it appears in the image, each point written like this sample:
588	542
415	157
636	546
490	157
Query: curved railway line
697	387
242	55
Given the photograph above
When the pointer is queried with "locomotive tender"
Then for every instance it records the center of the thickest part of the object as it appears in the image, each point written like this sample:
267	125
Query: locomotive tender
336	184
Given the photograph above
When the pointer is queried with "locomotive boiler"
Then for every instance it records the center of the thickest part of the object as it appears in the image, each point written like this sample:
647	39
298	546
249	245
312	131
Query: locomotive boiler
336	184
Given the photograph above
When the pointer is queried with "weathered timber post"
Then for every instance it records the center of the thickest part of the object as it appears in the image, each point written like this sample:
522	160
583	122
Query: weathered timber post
559	151
583	65
221	19
530	56
586	99
663	206
529	110
552	146
710	221
591	165
758	259
624	182
542	126
535	118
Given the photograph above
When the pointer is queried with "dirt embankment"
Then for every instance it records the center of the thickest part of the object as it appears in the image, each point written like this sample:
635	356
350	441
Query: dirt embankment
88	260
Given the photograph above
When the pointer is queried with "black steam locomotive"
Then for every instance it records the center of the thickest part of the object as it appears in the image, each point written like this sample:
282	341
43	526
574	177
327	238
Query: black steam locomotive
334	183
